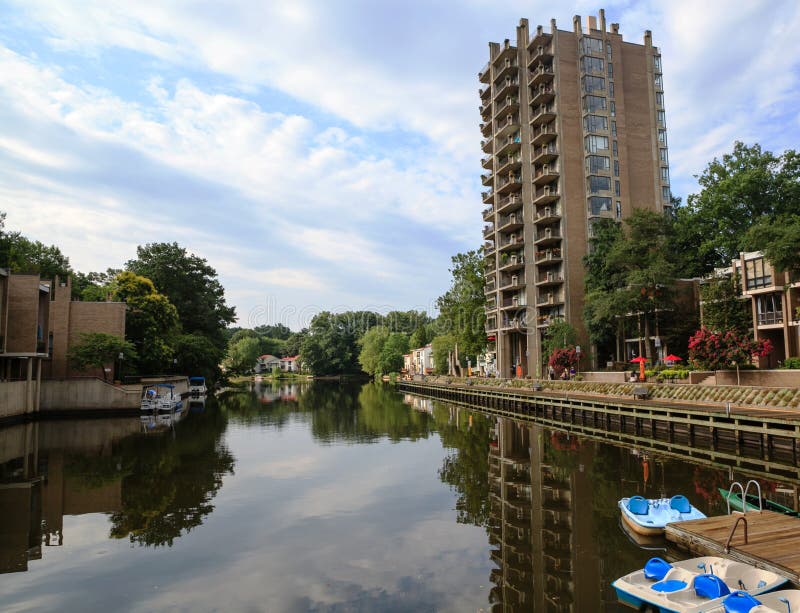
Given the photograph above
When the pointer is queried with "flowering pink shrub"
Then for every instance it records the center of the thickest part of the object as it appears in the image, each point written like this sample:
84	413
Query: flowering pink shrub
718	350
563	359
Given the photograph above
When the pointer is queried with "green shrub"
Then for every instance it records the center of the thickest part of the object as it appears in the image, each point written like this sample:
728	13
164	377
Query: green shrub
793	363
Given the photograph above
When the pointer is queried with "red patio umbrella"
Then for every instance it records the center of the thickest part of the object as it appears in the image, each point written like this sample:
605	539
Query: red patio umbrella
641	361
673	358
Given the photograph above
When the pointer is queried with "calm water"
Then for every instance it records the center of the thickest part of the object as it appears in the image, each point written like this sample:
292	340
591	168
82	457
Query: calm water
322	498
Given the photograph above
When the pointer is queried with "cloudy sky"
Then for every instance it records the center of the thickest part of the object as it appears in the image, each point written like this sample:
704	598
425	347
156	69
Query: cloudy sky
322	154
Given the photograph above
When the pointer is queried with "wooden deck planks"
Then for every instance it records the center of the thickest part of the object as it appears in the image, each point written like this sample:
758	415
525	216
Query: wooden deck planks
773	540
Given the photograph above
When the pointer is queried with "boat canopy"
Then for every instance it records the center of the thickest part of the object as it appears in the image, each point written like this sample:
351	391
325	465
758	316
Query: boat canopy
197	379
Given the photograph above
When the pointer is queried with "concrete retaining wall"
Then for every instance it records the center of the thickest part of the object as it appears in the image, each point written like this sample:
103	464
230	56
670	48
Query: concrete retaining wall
91	393
606	377
70	394
13	396
760	378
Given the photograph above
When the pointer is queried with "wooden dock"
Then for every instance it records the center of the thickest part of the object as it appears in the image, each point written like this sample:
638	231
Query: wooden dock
773	541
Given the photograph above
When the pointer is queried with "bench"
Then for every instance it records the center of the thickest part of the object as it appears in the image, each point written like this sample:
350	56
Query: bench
640	392
536	387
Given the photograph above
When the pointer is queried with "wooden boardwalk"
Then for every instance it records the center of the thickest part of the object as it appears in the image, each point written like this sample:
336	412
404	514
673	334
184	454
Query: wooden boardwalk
773	540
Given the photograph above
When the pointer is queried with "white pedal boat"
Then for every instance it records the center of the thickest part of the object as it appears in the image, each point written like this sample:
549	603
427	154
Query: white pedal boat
692	586
648	517
783	601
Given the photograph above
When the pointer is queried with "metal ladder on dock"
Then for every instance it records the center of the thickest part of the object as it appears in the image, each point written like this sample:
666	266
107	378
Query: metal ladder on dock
744	490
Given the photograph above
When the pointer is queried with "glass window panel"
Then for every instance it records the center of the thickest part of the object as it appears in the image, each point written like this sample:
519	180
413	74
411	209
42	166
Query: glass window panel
611	90
616	168
613	128
610	70
594	103
614	148
592	84
616	188
608	49
662	136
597	163
661	117
659	83
592	64
599	204
666	194
657	63
592	45
613	107
596	143
619	210
662	155
595	123
599	184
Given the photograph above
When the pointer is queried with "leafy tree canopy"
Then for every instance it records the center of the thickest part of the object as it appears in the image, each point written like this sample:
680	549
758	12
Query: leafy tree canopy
190	284
744	188
98	350
242	355
723	307
462	307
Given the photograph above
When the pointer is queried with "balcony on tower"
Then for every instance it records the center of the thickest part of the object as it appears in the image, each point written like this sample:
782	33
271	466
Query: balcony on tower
544	134
512	281
507	125
509	162
488	196
509	105
542	94
546	173
544	154
509	203
488	249
511	222
488	213
540	75
541	54
550	297
545	195
483	75
510	143
552	277
511	261
512	182
547	215
547	256
488	230
547	236
486	179
542	114
509	242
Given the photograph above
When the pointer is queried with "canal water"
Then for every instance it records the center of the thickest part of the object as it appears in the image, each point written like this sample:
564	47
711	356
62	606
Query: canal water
322	497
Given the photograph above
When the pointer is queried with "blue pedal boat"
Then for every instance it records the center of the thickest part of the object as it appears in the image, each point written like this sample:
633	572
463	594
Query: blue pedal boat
649	517
783	601
693	586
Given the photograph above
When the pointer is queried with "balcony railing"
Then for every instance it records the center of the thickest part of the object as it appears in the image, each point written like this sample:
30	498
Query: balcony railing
541	236
765	319
488	211
514	239
548	254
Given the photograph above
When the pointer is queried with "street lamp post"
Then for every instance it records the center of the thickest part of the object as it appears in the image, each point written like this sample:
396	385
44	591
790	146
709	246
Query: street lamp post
120	357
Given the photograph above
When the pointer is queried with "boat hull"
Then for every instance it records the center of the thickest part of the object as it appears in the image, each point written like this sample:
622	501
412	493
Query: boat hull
639	529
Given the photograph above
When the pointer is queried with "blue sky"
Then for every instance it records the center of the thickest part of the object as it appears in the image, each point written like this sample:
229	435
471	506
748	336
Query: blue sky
322	155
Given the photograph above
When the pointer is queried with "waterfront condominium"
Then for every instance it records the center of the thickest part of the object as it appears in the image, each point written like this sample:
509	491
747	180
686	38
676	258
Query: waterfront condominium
573	131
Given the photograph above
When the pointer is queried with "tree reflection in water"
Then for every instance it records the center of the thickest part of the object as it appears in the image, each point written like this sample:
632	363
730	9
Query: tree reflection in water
171	480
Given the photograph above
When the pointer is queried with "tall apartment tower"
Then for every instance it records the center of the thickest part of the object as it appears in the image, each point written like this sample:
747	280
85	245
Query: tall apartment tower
573	131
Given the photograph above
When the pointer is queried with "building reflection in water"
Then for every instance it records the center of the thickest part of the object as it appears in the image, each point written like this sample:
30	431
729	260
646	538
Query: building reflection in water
542	541
37	488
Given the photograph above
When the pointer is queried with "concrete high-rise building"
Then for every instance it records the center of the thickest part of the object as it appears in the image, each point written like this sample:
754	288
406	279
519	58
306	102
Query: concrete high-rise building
574	131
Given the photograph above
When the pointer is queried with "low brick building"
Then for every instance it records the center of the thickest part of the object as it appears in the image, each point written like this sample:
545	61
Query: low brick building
71	318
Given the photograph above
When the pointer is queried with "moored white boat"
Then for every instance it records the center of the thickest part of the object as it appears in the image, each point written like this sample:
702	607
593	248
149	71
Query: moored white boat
692	586
783	601
160	397
649	517
197	386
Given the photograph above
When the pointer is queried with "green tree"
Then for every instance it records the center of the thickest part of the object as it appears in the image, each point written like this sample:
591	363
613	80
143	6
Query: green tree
278	331
330	346
93	286
371	347
419	338
462	307
151	321
294	343
197	356
242	355
441	348
21	255
99	350
723	307
779	240
746	187
559	335
391	356
190	284
631	274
